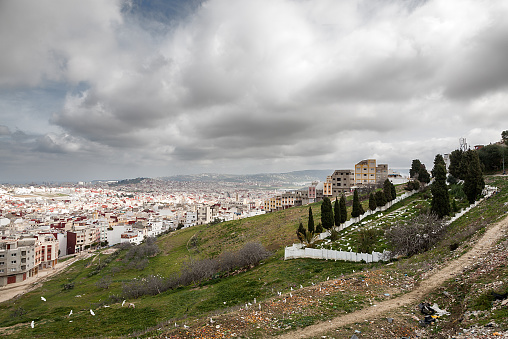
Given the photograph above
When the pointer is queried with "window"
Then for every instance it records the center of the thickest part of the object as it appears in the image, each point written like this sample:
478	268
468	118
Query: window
2	262
2	255
13	261
1	271
13	270
13	254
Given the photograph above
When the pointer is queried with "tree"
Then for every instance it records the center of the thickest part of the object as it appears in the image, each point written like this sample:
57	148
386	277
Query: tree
343	209
438	160
423	175
491	157
473	183
357	206
319	228
310	224
372	202
504	137
440	204
301	232
415	168
455	167
327	213
336	212
380	199
394	191
387	190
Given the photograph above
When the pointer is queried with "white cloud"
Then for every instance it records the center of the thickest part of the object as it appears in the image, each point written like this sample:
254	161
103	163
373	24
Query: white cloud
258	86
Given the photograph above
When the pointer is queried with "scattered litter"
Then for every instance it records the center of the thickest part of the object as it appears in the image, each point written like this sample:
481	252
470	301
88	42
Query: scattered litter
427	320
390	320
426	309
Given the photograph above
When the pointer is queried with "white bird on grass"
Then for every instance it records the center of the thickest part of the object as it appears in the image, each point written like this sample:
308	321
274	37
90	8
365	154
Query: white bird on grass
185	326
32	324
123	303
43	299
91	312
301	286
70	313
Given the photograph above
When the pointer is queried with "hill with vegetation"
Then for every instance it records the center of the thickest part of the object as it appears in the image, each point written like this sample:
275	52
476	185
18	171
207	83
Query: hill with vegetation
267	297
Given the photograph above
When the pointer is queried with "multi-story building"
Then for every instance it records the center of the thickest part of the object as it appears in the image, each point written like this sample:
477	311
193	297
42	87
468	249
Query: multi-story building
342	181
327	187
365	172
17	260
381	173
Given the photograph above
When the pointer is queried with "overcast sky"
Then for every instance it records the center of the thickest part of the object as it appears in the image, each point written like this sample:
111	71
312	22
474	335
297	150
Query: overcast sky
120	89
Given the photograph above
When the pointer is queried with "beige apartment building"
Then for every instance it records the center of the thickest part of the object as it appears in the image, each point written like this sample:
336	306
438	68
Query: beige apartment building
368	173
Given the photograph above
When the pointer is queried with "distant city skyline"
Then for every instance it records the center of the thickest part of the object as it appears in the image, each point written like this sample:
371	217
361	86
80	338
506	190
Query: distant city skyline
124	89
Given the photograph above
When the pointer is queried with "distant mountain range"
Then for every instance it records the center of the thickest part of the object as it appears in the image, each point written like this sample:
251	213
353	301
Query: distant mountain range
289	177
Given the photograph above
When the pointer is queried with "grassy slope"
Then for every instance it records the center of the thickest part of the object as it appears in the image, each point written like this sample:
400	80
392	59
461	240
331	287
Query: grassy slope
273	230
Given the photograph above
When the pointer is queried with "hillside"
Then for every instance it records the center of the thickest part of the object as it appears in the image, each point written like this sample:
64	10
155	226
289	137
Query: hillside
329	289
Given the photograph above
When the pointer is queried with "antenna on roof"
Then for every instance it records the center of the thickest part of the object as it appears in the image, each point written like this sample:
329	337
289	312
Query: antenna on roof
463	144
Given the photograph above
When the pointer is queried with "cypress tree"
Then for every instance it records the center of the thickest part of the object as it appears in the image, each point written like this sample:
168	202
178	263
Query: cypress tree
438	160
394	191
310	224
336	212
327	213
372	202
301	232
343	209
380	198
387	190
415	168
357	206
440	198
423	175
473	183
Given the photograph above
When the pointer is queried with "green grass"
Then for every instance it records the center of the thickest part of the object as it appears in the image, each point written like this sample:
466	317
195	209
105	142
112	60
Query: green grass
274	231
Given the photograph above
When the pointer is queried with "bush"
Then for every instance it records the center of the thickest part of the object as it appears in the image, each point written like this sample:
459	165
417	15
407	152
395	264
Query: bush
103	283
416	236
197	271
367	239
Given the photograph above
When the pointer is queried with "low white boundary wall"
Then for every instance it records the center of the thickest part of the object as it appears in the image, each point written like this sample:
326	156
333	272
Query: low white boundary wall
298	250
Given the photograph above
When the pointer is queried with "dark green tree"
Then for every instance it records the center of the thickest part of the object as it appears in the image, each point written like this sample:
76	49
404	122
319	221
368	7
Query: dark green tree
387	190
491	157
327	213
423	175
440	204
343	209
394	191
380	198
357	206
415	168
473	183
504	137
372	202
301	232
455	167
319	228
336	212
310	223
438	160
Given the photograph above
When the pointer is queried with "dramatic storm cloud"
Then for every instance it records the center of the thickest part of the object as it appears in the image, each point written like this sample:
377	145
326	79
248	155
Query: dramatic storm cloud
114	89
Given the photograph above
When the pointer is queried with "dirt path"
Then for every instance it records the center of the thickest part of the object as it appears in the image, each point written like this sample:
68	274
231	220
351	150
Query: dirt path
10	291
455	267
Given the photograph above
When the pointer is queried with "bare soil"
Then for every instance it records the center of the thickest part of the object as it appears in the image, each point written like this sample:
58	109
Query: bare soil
433	281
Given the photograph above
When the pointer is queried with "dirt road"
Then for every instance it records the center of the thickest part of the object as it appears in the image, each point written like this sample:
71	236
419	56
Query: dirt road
455	267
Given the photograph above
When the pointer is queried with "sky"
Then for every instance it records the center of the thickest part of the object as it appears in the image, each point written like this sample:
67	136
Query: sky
122	89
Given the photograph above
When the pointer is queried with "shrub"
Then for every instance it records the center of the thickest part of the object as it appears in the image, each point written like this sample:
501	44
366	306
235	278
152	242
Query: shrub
367	239
416	236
